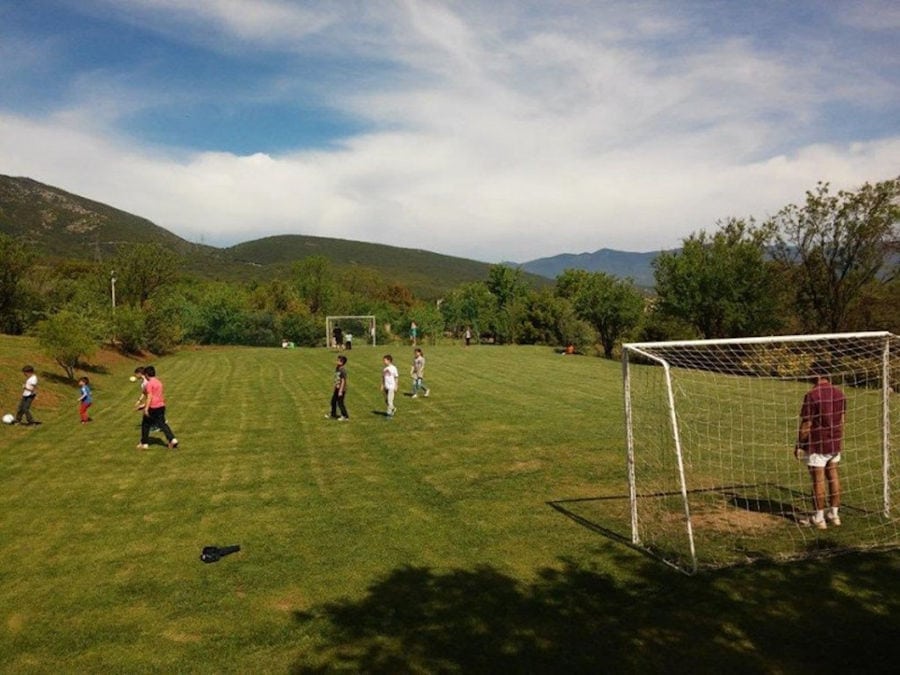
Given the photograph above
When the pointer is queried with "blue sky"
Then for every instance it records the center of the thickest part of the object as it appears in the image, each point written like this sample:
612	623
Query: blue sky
494	130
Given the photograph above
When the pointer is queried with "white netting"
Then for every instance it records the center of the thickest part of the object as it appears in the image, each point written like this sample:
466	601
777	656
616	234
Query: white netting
359	328
711	429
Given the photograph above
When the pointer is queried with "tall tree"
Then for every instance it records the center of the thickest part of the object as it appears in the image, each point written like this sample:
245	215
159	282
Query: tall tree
469	305
68	336
509	291
610	305
142	270
722	284
15	262
834	246
316	283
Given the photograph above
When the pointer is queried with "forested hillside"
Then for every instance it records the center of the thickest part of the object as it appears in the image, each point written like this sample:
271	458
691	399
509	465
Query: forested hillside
77	274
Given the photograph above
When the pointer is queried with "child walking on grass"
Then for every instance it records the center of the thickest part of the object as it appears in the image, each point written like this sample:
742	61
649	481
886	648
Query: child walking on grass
85	399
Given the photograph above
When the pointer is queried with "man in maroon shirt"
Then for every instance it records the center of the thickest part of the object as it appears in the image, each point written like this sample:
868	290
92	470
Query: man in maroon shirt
820	440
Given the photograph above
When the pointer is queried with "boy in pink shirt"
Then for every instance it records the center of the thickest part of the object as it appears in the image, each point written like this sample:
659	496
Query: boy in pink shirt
154	411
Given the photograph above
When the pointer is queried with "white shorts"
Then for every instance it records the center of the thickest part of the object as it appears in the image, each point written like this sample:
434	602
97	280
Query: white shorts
818	461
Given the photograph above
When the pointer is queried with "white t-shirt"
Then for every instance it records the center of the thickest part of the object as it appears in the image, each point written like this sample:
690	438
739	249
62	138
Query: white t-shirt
30	386
390	376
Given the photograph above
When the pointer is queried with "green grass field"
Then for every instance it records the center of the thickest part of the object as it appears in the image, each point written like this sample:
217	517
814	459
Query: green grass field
480	530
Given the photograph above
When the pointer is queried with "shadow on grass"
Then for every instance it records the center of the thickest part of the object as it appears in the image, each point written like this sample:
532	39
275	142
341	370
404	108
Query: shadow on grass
580	620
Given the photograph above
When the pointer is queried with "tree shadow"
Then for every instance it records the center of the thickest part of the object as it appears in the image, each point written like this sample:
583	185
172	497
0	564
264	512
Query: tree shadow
840	616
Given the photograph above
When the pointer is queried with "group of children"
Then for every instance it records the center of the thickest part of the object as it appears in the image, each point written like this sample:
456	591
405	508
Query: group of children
151	402
390	383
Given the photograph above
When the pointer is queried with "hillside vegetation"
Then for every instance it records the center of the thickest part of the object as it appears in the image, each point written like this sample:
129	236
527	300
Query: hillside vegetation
61	225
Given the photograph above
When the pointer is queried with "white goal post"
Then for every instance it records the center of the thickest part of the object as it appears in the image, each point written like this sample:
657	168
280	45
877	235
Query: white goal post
365	322
710	430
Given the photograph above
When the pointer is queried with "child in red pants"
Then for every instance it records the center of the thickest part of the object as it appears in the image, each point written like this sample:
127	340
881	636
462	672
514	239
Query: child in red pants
85	400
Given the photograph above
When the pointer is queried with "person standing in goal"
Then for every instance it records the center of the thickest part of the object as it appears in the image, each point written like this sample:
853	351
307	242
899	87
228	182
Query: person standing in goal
820	441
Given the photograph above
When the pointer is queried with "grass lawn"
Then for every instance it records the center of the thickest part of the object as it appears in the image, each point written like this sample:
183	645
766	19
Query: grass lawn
467	534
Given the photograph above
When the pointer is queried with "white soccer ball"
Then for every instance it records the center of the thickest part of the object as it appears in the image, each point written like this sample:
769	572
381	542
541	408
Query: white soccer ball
133	378
8	419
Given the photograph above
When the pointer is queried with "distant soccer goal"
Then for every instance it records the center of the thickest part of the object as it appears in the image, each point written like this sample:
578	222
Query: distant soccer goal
710	431
353	329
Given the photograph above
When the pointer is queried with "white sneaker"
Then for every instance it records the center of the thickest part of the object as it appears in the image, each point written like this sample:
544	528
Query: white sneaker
810	522
143	446
173	444
343	419
834	519
427	391
416	396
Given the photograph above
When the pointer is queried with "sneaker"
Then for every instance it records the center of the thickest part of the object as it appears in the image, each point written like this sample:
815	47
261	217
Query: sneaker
343	419
812	522
173	444
143	446
414	396
833	519
427	391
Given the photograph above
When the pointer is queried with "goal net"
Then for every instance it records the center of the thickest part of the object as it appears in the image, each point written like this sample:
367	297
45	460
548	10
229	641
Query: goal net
355	329
711	427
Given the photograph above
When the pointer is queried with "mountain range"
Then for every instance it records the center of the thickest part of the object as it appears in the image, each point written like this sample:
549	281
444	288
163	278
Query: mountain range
61	225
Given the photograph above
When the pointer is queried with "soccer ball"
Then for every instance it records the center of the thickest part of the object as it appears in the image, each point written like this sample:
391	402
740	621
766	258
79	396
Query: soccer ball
133	378
8	419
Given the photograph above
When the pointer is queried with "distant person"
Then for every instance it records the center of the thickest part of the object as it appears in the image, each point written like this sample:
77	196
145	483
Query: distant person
468	336
820	441
338	335
348	341
390	380
413	333
29	392
155	411
85	399
418	374
339	390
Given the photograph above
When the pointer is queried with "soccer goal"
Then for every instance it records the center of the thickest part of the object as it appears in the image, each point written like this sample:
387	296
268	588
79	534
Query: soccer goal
355	329
710	429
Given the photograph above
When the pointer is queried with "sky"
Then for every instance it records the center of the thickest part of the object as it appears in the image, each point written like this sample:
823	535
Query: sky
496	130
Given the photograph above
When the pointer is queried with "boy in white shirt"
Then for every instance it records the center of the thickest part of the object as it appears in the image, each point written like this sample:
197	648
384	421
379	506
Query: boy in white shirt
390	380
29	391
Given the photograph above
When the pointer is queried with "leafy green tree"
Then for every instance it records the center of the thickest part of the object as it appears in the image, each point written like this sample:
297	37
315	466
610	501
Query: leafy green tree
130	329
142	270
834	246
612	306
68	337
509	290
551	320
722	284
15	262
430	320
470	304
316	283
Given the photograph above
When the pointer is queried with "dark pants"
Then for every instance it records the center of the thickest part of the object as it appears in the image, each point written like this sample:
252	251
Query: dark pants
25	409
337	401
155	417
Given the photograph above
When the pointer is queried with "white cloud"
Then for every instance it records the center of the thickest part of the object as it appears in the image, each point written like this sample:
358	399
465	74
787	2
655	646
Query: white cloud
496	135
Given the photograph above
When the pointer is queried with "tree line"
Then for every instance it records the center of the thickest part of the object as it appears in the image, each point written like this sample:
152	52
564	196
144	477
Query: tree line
829	264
